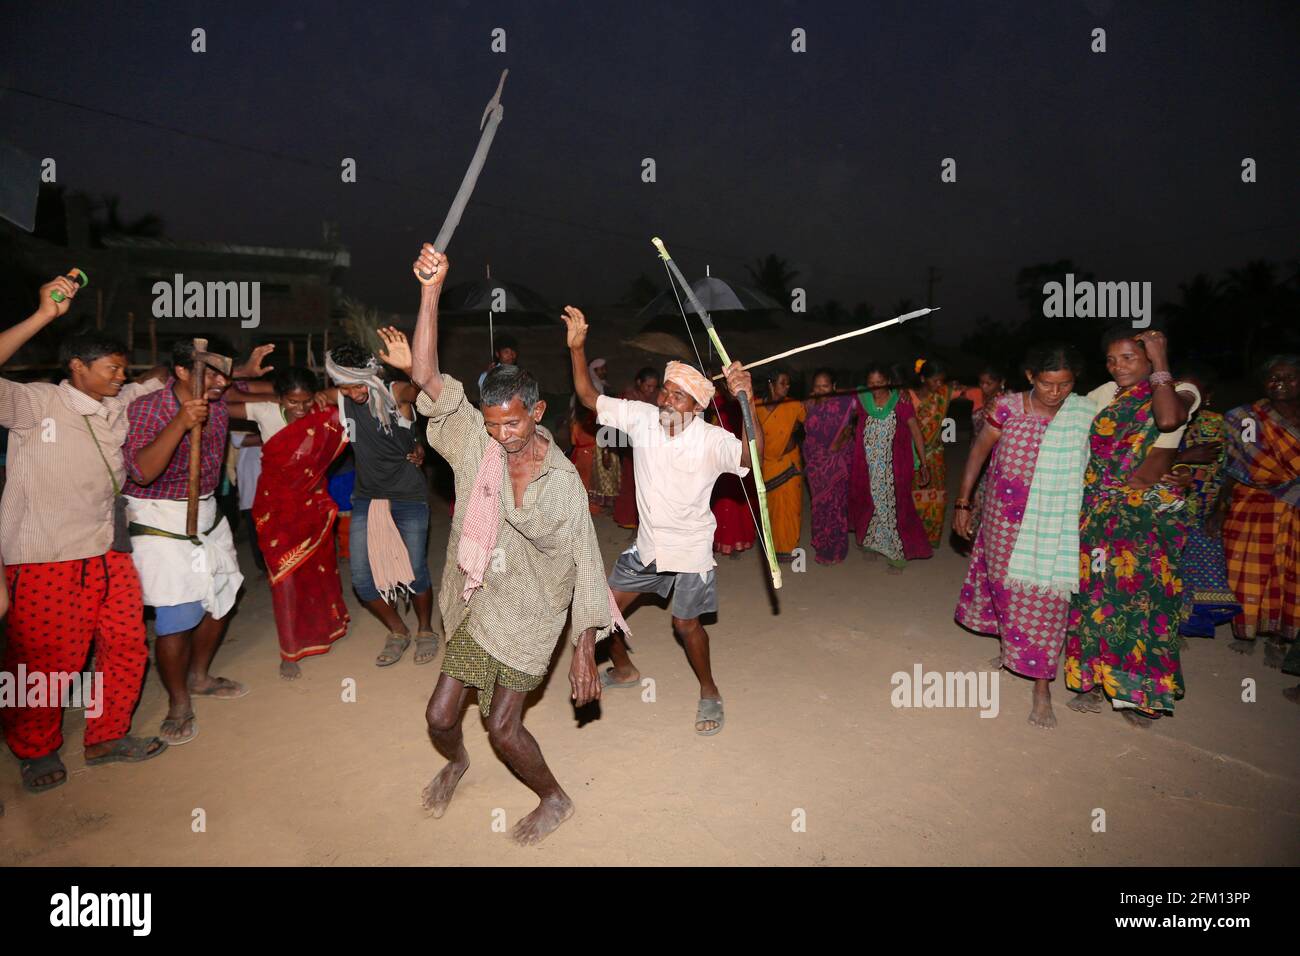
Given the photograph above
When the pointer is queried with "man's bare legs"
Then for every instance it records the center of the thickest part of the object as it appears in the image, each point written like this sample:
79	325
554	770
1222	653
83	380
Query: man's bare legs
183	661
512	742
623	672
692	633
443	717
519	750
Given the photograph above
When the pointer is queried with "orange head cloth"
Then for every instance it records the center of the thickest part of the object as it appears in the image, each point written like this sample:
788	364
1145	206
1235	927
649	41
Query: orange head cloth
695	384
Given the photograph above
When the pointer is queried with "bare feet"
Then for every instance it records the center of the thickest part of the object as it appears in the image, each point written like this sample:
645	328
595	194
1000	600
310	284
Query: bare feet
1089	703
1041	715
289	670
438	793
1274	654
550	813
1242	647
1137	719
996	662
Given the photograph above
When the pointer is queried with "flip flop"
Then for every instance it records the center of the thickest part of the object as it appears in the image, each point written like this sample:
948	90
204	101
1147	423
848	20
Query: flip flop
40	767
394	647
426	646
129	750
223	683
177	723
607	680
709	709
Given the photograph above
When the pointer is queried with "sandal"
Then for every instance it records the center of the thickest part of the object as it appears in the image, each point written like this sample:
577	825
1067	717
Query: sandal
607	680
710	708
223	688
43	767
426	646
394	648
130	750
170	730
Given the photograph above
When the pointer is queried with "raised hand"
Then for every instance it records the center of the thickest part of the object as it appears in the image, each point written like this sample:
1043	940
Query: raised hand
576	323
254	368
396	350
47	308
432	264
738	380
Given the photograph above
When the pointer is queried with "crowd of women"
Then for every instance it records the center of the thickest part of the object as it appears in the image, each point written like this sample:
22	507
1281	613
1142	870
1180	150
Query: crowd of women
1102	530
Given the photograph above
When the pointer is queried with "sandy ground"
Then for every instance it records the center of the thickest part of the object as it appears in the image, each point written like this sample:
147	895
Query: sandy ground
293	775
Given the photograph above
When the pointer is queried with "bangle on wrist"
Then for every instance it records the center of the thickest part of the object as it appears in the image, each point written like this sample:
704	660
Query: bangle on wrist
1161	378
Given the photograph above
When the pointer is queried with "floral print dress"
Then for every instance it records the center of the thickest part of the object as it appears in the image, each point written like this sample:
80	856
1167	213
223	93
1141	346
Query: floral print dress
1031	624
1122	633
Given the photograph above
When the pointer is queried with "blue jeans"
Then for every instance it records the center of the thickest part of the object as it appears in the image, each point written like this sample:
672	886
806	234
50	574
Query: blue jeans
412	520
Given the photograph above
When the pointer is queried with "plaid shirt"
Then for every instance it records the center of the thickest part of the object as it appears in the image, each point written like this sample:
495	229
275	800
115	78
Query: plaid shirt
150	415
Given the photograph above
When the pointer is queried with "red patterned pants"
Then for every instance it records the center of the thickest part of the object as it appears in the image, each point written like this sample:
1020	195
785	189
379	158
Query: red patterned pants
57	611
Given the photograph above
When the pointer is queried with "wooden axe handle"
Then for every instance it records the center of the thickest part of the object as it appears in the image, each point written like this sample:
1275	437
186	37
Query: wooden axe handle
196	443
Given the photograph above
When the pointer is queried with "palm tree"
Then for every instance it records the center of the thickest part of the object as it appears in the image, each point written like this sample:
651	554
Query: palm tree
107	221
773	275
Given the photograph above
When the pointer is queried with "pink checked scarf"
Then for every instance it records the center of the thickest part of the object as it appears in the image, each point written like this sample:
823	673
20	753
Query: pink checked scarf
478	533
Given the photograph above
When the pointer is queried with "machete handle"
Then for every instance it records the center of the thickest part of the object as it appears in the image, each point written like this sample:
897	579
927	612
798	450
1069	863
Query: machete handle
659	244
77	276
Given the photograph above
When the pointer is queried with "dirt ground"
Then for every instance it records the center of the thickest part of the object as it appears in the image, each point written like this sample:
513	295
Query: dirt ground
815	765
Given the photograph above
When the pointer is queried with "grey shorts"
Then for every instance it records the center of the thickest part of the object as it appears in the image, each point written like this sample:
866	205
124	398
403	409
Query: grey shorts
692	593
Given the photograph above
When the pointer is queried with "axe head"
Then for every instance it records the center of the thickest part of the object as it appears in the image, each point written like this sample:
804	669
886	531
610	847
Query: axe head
222	363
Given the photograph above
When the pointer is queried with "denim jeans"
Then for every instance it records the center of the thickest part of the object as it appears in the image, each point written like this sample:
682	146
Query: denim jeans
412	520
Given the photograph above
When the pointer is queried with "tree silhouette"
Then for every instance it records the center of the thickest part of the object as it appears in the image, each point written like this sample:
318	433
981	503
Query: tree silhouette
773	275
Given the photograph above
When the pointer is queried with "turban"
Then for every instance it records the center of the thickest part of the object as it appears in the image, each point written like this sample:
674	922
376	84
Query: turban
695	384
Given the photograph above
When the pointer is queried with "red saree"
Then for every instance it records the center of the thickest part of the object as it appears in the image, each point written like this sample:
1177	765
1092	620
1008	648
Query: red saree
294	516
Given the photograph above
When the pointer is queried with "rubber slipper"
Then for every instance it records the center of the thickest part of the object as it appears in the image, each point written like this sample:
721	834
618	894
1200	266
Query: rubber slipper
709	709
177	723
129	750
607	680
40	767
223	683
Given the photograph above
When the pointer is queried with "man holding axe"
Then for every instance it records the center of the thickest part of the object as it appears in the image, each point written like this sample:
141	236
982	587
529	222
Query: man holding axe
182	545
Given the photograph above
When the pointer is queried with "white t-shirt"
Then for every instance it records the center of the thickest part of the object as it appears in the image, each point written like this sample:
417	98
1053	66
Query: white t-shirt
674	481
267	416
1103	395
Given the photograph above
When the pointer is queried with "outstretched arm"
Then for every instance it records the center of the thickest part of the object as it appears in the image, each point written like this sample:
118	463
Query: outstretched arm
47	310
424	353
576	336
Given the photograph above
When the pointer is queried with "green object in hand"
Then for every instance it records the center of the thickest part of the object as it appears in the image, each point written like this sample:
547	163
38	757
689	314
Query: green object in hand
77	276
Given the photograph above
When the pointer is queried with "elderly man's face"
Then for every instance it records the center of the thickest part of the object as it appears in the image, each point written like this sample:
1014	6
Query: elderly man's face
511	425
676	406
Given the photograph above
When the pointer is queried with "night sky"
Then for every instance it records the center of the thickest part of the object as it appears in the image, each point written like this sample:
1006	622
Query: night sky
1127	162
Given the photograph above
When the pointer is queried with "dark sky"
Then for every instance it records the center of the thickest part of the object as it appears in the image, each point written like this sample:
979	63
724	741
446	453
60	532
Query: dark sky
1128	162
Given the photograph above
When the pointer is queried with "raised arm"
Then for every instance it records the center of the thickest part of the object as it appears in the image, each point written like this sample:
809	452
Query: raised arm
424	352
738	380
47	310
1169	406
576	336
